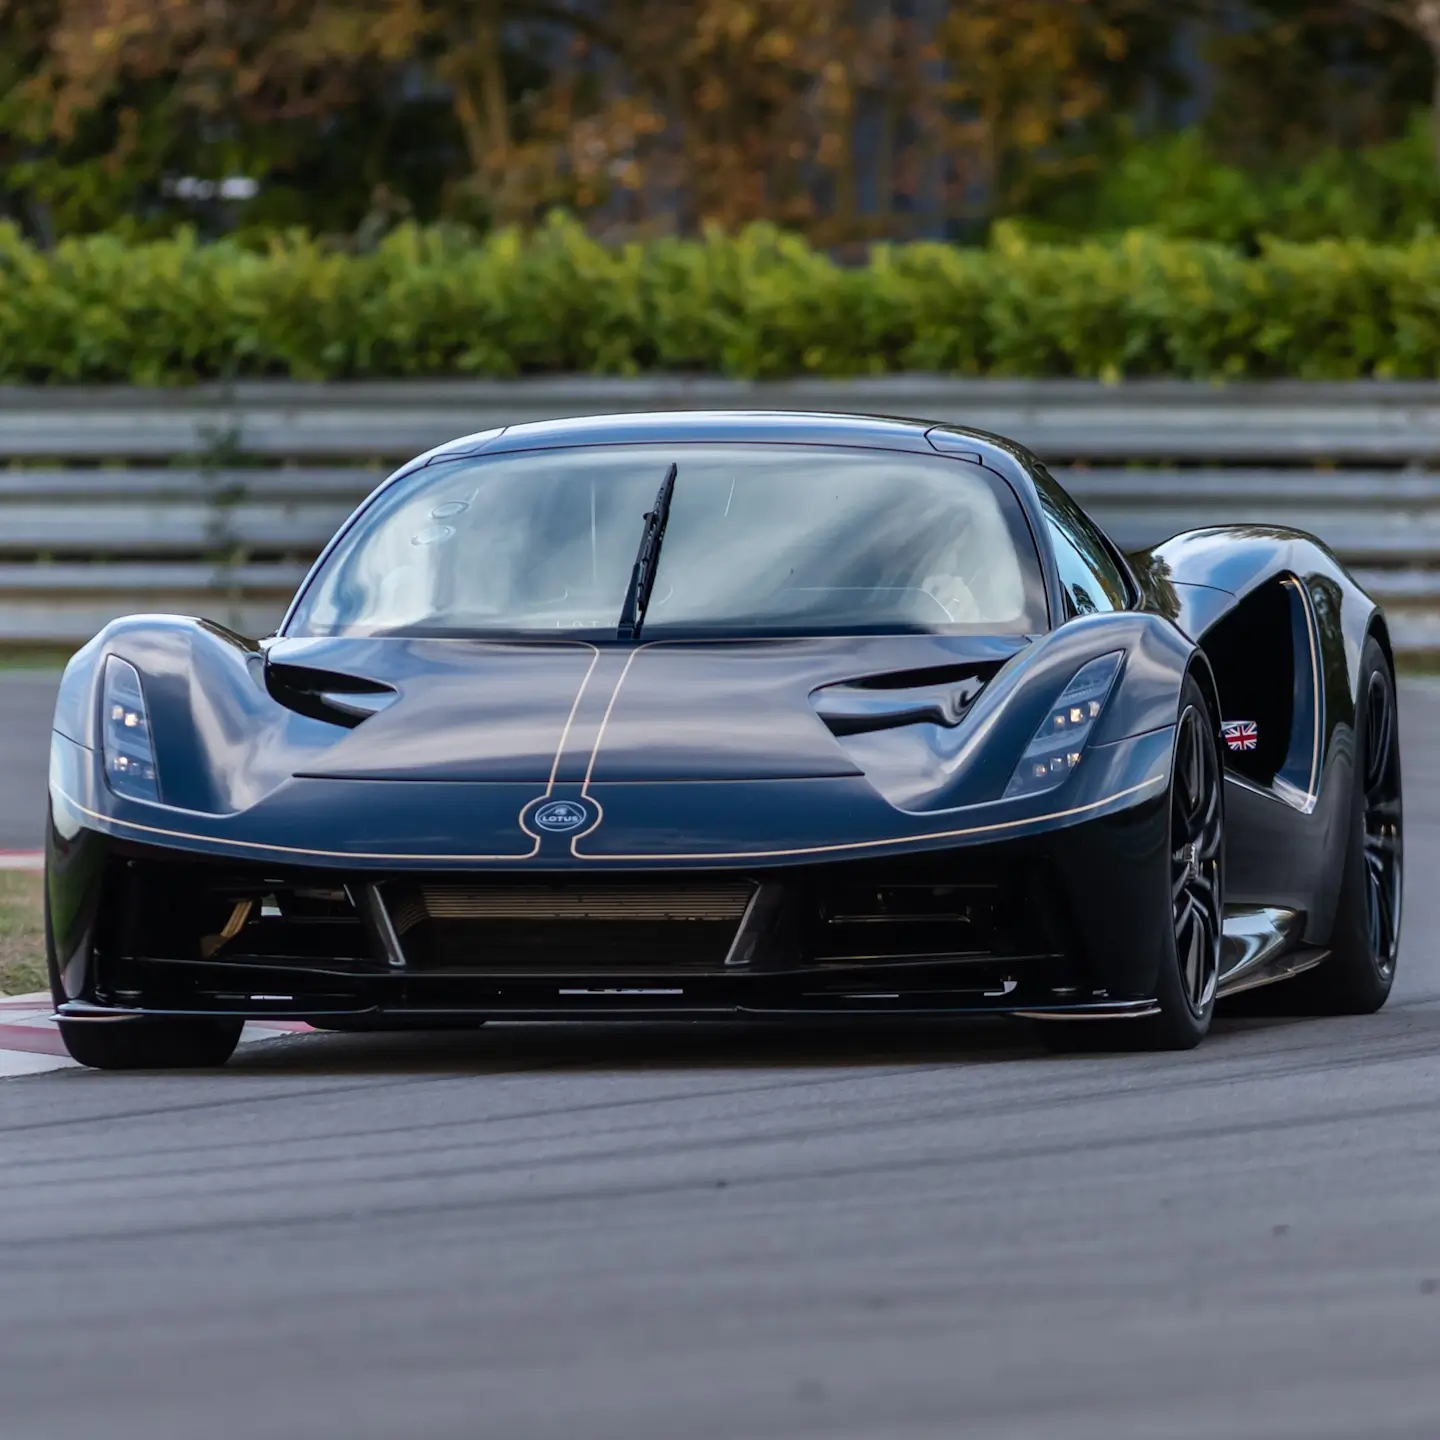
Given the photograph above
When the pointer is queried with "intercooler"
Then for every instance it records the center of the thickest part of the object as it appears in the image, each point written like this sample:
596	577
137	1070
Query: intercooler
565	926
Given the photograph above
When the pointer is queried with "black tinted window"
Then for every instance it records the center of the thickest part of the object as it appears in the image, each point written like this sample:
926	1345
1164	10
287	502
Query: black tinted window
1088	572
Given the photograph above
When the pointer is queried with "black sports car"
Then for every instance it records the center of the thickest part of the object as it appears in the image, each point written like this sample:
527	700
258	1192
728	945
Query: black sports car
688	715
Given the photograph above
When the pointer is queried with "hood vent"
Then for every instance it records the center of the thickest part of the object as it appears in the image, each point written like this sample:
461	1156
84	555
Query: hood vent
345	700
940	695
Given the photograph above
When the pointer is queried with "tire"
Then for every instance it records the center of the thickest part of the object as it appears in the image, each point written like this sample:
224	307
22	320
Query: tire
1364	942
139	1044
151	1044
1189	970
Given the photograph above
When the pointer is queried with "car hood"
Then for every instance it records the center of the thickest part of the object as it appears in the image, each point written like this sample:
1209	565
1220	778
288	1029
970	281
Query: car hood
462	753
571	712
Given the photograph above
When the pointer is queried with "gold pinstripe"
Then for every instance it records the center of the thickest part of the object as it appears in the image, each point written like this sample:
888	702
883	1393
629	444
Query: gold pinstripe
452	859
998	826
575	710
848	845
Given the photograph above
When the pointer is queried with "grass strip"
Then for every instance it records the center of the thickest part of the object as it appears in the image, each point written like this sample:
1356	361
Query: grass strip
22	933
34	657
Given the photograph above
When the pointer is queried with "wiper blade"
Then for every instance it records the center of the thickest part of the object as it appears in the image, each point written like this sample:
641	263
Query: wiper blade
642	576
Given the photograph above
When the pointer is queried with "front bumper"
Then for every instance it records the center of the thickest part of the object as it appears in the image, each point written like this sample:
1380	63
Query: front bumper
1065	921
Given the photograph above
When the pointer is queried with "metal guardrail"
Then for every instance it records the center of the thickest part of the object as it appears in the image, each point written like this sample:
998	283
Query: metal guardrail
213	500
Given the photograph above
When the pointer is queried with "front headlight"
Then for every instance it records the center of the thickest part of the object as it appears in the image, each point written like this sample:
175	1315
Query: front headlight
128	749
1060	741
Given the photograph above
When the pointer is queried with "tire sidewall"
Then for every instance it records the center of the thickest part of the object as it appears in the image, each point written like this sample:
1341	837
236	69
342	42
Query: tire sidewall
1177	1025
1353	962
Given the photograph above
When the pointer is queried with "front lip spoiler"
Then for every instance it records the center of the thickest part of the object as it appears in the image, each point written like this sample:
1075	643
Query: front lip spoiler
1102	1010
96	1014
90	1013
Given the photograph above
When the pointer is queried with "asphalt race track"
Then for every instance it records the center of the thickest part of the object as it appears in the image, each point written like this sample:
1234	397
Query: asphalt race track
27	699
707	1233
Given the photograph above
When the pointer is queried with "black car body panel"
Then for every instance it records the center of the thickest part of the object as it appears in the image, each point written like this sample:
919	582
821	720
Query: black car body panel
412	826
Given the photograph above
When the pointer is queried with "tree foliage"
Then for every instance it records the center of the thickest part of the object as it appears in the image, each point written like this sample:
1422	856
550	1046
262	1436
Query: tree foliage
848	120
845	118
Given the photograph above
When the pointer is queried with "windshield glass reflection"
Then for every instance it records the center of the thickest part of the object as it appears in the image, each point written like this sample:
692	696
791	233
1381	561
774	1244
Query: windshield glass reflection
761	540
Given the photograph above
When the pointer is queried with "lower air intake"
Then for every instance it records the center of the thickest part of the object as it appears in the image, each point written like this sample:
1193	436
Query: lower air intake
559	927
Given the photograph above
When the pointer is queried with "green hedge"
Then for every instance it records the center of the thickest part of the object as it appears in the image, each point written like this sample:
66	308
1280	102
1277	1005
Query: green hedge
1178	186
430	303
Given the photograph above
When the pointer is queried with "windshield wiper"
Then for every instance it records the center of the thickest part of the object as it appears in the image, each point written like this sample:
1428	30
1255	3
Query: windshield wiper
642	576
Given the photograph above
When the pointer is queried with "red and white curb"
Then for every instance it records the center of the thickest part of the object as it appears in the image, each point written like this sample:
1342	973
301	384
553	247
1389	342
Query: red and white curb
30	1040
22	859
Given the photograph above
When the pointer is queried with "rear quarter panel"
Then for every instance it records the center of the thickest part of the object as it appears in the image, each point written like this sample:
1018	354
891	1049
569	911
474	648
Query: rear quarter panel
1281	851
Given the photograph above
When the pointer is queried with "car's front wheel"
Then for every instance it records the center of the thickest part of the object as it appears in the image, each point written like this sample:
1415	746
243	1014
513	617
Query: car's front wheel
139	1042
144	1044
1189	967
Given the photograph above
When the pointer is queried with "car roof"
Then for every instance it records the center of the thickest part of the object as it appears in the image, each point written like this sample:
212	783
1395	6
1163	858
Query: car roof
727	426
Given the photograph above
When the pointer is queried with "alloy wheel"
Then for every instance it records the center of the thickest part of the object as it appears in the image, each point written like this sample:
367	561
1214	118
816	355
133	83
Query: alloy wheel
1195	843
1383	836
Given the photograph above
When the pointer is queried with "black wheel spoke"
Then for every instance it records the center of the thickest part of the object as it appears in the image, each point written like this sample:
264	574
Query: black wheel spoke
1381	838
1191	783
1207	946
1386	905
1194	962
1195	837
1374	874
1380	722
1211	819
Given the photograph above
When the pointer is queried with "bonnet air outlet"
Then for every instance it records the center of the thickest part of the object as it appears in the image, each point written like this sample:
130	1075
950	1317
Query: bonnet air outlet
346	700
937	696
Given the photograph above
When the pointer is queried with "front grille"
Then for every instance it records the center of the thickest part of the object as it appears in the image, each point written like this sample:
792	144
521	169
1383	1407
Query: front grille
564	927
713	901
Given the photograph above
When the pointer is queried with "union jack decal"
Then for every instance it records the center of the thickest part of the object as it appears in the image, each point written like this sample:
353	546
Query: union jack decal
1241	734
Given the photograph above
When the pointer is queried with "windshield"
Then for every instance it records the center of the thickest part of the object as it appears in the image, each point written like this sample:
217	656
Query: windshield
761	539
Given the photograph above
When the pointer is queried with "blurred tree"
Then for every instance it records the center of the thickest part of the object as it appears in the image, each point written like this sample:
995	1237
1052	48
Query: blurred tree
115	98
1293	77
853	119
1026	78
1422	19
849	120
24	29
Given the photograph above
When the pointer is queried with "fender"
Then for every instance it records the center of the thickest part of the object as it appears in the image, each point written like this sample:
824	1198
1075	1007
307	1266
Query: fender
1289	846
